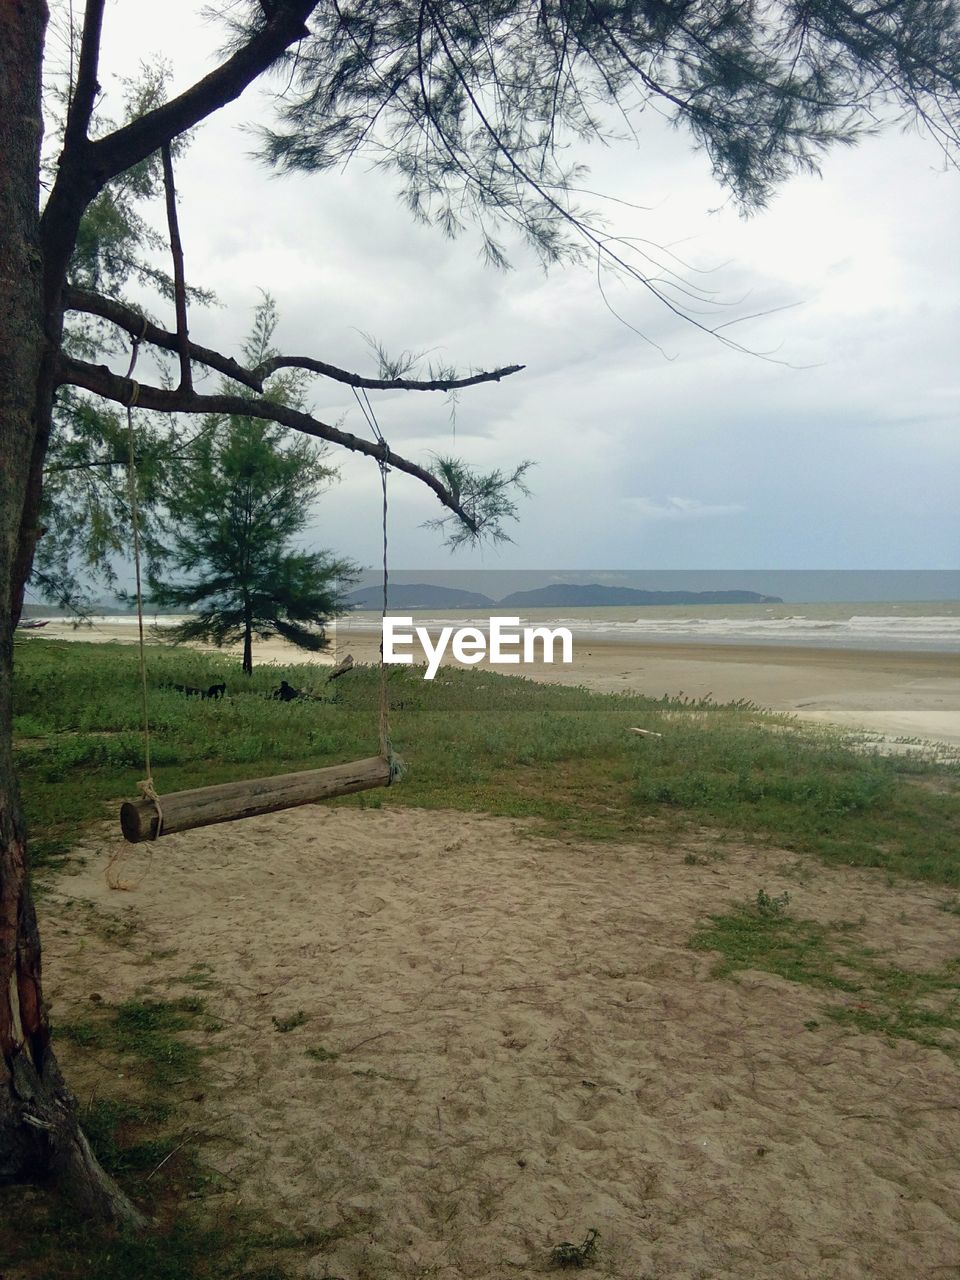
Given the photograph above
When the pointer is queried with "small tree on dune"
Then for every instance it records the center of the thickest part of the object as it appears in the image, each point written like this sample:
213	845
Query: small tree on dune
243	499
242	495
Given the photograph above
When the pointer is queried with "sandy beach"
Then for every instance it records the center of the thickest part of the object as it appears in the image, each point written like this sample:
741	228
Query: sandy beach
895	695
908	695
499	1042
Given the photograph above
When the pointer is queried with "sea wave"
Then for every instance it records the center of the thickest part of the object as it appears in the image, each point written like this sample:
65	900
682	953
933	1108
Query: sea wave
130	619
937	632
940	632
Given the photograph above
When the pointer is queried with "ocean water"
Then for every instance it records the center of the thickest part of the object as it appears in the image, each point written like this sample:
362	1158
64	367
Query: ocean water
894	627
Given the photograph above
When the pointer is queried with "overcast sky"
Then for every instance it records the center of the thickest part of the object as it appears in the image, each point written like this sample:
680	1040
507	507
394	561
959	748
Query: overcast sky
706	459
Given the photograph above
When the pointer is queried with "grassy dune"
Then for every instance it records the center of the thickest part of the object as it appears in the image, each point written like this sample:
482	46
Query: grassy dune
480	741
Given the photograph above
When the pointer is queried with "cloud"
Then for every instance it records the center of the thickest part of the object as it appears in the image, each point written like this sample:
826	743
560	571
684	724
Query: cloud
680	508
846	455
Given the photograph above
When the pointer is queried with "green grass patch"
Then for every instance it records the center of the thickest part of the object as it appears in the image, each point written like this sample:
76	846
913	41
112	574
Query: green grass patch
478	741
50	1243
763	935
319	1054
149	1031
919	1005
116	1130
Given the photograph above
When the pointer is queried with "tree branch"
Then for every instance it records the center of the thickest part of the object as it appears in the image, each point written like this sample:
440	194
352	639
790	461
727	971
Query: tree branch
139	327
104	382
59	468
383	384
179	276
85	93
141	138
86	167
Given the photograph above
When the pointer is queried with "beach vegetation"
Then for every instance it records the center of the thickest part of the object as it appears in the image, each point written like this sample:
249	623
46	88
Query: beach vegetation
242	497
566	1254
147	1030
561	757
319	1054
773	905
144	1120
290	1021
867	993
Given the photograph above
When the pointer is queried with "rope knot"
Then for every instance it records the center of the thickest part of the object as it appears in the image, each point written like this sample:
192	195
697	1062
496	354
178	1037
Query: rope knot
149	792
397	766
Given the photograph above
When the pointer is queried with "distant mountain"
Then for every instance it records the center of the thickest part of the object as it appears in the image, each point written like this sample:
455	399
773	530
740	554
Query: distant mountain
417	595
424	595
569	595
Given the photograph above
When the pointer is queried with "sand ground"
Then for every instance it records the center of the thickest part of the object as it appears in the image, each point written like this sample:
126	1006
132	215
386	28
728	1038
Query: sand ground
893	695
507	1041
527	1048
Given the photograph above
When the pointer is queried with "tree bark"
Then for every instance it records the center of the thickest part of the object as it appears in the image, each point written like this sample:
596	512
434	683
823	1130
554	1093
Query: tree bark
39	1133
248	644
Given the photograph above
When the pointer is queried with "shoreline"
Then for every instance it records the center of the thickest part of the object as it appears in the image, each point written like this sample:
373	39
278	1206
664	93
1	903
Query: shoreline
895	694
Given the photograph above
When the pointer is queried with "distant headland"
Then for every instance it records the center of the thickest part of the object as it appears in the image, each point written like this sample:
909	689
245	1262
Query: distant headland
561	595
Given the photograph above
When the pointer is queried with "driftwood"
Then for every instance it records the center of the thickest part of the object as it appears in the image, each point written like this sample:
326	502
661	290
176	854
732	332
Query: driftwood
184	810
646	733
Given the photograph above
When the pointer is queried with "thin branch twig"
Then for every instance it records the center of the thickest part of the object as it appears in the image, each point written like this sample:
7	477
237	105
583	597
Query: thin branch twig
137	325
179	276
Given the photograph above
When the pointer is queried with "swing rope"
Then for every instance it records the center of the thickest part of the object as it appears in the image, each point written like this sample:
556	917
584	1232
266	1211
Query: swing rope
145	786
397	766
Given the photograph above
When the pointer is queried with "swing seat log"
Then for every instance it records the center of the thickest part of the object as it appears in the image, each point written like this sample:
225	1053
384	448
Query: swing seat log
228	801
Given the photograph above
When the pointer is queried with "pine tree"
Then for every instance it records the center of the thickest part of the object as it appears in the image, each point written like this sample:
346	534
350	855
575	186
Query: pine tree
86	509
241	500
237	502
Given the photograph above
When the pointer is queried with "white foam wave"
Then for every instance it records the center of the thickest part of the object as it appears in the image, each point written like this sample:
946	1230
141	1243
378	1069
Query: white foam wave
859	631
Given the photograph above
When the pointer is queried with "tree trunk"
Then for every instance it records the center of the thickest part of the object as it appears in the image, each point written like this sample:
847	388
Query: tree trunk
39	1133
247	642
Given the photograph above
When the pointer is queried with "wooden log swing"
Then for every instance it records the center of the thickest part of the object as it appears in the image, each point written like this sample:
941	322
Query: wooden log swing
145	819
152	815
